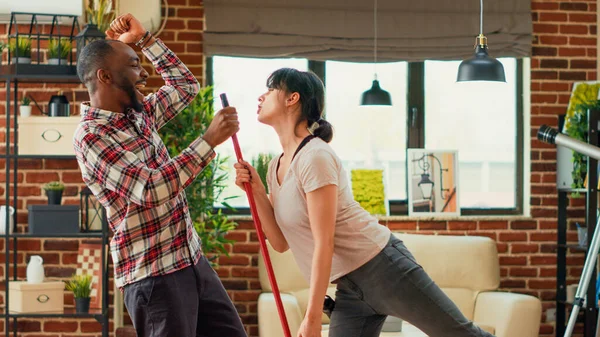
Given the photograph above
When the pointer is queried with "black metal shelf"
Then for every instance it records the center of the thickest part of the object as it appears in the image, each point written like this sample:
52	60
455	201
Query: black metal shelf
13	75
568	303
574	246
38	156
39	72
68	313
573	190
66	235
589	314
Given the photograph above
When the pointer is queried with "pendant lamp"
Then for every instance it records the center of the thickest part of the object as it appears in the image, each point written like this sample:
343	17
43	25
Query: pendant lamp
481	67
375	95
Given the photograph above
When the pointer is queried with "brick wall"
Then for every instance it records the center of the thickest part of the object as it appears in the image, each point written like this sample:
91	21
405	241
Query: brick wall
564	51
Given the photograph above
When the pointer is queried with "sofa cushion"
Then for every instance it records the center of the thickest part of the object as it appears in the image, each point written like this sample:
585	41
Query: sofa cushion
469	262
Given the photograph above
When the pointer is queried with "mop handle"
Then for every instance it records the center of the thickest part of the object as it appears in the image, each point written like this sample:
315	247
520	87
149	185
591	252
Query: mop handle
261	239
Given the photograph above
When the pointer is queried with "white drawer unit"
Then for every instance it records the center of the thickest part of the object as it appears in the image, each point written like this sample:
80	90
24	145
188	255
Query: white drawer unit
47	135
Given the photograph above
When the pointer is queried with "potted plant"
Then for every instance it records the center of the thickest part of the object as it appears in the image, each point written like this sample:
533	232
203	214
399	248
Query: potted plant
54	191
81	286
261	164
20	50
100	13
59	50
211	224
25	108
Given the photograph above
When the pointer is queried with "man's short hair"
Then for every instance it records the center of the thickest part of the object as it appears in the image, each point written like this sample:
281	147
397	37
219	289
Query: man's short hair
93	57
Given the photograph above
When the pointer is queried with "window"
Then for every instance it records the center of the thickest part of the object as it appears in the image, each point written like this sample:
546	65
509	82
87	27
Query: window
364	136
482	121
244	80
479	120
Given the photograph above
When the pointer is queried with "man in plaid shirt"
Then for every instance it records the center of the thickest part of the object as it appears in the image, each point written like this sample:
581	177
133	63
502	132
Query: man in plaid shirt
169	286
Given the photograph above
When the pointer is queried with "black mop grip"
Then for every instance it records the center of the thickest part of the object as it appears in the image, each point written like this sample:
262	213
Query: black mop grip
224	100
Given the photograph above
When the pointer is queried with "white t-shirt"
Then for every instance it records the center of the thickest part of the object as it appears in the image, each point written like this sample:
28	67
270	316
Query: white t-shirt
358	234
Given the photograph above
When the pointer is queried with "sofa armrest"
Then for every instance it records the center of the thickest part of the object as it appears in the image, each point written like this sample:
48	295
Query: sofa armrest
510	314
269	324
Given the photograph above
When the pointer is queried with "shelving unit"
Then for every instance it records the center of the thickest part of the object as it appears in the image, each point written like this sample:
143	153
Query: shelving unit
590	311
101	315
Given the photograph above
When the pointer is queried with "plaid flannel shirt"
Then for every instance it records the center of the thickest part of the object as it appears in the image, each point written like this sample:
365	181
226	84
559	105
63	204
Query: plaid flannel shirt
127	167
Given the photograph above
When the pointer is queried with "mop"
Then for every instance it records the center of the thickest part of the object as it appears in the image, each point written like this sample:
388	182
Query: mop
261	239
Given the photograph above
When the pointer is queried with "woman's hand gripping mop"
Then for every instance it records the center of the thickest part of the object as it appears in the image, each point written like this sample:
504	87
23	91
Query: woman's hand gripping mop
259	233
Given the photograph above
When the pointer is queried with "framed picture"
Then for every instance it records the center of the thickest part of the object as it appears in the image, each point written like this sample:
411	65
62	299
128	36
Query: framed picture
433	182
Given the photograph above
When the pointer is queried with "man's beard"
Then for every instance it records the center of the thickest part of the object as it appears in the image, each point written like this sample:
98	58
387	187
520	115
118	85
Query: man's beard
129	88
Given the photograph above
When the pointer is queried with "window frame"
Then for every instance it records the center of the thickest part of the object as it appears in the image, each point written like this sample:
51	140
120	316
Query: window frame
415	125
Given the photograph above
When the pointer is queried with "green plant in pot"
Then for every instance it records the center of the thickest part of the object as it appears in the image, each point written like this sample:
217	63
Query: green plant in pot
212	225
54	191
20	50
25	108
81	286
59	50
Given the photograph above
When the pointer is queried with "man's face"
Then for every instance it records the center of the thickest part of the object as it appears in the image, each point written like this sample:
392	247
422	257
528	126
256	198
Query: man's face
129	76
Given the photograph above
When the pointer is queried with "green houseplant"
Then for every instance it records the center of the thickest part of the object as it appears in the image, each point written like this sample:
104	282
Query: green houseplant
81	286
261	164
583	99
59	50
20	50
54	191
211	225
2	47
100	13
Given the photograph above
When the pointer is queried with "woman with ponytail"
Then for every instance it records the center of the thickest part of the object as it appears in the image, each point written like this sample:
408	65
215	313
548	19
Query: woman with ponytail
311	210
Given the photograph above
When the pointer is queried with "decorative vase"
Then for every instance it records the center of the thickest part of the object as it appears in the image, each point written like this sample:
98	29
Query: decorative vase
54	197
82	305
35	270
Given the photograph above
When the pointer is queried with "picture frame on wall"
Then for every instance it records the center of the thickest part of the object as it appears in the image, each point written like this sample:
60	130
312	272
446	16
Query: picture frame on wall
89	262
433	187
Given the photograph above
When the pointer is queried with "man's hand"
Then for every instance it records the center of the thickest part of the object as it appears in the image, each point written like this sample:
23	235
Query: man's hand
126	29
223	126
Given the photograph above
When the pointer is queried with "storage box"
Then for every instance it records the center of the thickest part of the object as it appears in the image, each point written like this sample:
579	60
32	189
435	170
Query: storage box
45	297
53	219
47	135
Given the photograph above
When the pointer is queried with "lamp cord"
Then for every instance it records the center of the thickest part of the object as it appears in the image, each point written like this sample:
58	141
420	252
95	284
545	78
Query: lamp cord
375	39
481	17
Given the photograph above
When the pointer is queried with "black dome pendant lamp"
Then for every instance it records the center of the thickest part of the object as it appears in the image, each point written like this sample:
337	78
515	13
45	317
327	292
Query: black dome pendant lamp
481	67
375	95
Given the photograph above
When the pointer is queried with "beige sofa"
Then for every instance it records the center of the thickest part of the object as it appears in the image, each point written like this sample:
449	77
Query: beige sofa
465	267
